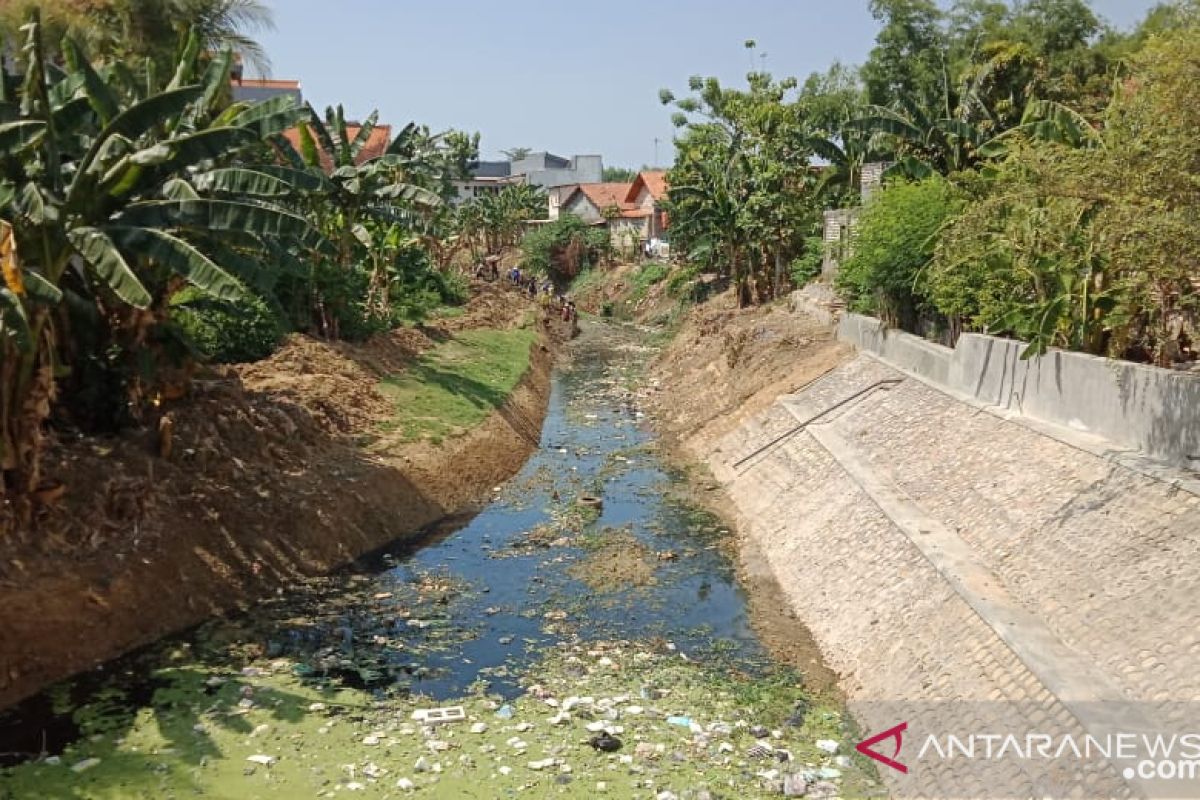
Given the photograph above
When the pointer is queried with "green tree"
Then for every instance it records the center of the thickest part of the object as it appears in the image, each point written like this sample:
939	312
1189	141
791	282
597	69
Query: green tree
741	190
910	53
132	30
360	205
564	248
1092	247
828	99
502	214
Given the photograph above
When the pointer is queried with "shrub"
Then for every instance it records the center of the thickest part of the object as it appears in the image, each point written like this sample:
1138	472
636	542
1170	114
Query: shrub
647	276
227	331
681	278
893	242
418	289
685	285
564	247
807	266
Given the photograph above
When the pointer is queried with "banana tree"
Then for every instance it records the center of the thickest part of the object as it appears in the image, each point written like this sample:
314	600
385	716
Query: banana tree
846	153
960	130
1047	121
362	193
708	203
112	203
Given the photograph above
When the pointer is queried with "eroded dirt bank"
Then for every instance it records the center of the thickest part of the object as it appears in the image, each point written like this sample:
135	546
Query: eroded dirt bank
274	471
726	364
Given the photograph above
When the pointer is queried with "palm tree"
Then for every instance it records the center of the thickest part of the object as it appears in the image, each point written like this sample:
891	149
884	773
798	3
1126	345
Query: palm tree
132	30
228	25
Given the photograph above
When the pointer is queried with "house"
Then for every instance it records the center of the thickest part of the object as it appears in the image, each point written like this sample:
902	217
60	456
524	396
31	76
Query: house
632	212
376	145
255	90
548	170
487	177
647	192
596	203
607	204
536	169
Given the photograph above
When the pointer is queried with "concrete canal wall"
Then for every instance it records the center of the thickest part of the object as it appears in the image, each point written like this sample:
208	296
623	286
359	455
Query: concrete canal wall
956	531
1132	406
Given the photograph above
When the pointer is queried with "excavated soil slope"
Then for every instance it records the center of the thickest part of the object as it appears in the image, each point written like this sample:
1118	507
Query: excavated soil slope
267	478
726	364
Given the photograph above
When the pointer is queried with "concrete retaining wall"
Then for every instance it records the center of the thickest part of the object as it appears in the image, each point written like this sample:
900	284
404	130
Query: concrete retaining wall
1148	409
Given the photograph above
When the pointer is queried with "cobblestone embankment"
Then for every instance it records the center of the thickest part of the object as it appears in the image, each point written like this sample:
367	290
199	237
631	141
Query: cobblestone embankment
965	573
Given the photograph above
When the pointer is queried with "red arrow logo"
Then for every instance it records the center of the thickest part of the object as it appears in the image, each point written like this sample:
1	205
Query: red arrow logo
896	733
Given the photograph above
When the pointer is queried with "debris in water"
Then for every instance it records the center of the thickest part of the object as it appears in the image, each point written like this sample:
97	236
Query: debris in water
435	716
794	785
605	743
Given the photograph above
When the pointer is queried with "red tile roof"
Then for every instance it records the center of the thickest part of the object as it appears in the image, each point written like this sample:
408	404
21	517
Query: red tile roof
655	181
377	143
604	195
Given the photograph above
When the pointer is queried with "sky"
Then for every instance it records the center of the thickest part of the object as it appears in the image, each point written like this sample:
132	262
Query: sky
570	78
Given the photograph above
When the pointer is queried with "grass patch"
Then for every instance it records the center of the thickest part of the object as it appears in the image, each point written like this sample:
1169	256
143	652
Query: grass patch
590	278
453	387
647	276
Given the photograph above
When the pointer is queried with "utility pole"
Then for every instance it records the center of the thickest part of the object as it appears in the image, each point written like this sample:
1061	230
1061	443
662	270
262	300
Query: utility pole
655	164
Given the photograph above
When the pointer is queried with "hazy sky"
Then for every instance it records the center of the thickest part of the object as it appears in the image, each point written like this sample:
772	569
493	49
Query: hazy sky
564	77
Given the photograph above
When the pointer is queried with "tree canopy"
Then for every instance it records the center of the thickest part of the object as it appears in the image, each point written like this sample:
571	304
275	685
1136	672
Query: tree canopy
1040	181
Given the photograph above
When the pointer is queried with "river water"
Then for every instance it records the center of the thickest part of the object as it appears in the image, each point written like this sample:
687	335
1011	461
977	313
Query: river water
518	594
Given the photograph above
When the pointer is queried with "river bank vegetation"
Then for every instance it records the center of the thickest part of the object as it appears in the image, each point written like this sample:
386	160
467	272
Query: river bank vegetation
1040	181
150	223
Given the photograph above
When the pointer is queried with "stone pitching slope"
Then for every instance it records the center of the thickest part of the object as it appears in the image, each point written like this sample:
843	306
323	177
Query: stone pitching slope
965	574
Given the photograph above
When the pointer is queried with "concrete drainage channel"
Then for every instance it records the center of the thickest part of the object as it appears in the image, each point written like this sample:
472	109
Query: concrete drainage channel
971	577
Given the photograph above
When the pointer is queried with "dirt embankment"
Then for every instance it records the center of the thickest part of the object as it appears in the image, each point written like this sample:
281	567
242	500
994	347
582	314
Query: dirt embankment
266	478
726	363
723	365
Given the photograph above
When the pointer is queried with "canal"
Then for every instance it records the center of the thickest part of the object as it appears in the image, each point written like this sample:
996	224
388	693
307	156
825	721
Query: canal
583	632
